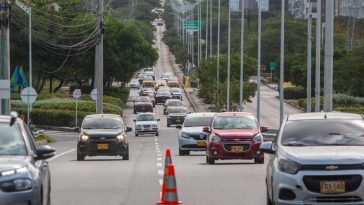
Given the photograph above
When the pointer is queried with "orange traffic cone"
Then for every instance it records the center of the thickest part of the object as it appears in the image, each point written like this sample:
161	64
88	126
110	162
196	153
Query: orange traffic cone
170	196
168	161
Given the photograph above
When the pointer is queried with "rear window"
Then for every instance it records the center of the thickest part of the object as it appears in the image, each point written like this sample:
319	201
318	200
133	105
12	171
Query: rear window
323	133
235	122
142	99
177	110
175	103
11	141
102	123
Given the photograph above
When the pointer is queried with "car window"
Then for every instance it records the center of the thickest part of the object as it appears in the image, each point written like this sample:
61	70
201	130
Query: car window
175	103
11	141
102	123
163	92
197	122
31	139
235	122
148	117
177	110
323	133
145	99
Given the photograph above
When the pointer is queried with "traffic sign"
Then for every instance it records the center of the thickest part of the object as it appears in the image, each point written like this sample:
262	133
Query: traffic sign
28	95
193	25
76	93
94	94
273	65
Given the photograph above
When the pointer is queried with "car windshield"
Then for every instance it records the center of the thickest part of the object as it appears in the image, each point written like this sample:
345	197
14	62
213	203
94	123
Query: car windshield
177	110
11	141
134	81
148	77
175	90
142	99
174	103
323	133
163	92
235	122
146	117
102	123
197	122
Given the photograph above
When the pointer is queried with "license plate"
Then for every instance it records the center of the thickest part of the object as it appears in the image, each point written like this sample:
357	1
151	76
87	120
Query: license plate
201	144
237	148
332	187
102	146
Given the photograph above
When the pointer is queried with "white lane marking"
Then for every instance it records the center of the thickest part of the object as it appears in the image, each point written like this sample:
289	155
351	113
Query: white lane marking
161	183
158	151
159	154
159	164
159	158
64	153
160	172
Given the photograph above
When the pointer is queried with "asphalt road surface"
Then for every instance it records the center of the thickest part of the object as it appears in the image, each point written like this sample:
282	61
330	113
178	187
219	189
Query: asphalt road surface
112	181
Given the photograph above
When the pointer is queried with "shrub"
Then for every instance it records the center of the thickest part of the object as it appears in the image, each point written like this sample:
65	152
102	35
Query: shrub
294	93
358	110
347	100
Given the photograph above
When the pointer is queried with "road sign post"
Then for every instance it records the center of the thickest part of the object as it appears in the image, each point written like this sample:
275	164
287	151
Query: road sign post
28	95
76	94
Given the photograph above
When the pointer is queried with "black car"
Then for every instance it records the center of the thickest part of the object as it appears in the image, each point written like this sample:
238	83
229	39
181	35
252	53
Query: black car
176	115
103	134
24	173
161	96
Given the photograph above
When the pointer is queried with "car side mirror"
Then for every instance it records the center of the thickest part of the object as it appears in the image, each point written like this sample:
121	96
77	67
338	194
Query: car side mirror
264	129
206	129
267	147
45	152
179	126
128	129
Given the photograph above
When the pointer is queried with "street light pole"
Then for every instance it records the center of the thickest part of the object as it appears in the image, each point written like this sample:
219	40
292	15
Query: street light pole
281	80
309	56
218	54
211	28
318	57
228	65
99	60
207	28
242	57
259	56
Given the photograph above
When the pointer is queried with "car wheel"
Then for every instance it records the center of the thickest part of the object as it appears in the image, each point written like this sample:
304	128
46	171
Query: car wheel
183	152
209	160
126	156
80	157
168	125
157	134
136	134
259	160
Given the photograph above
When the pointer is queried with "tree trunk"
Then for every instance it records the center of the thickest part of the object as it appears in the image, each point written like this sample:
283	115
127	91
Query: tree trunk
61	82
51	84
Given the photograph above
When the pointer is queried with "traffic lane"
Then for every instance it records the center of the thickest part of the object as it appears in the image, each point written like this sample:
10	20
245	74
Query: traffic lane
227	182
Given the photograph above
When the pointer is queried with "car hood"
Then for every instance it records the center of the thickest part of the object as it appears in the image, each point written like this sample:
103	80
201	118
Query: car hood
146	123
324	154
243	133
103	132
192	130
10	163
177	115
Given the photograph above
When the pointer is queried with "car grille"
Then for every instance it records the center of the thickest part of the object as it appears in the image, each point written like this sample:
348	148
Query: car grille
102	138
146	126
336	200
327	167
246	147
352	182
237	139
198	137
192	146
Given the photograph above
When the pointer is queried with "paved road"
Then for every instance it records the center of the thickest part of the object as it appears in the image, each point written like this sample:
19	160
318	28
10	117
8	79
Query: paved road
112	181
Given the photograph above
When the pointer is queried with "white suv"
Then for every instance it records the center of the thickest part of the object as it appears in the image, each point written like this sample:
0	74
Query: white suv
318	158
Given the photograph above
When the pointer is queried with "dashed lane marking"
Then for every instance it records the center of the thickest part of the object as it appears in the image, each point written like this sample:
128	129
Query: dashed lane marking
64	153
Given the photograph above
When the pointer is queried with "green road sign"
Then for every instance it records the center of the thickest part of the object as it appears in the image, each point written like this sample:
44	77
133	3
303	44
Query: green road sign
193	25
273	65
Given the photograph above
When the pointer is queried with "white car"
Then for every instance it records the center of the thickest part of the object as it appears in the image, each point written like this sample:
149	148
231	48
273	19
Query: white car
134	83
176	93
318	158
146	123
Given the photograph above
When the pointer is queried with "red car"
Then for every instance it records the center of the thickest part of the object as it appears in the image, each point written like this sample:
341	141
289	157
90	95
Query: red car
234	135
143	104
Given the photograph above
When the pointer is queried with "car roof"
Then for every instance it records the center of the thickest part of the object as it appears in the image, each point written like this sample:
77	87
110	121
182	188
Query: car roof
234	114
146	113
325	115
201	114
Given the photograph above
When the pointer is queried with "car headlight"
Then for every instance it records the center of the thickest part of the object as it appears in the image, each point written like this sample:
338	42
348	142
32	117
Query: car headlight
215	139
13	171
257	138
288	166
16	185
84	137
185	135
120	137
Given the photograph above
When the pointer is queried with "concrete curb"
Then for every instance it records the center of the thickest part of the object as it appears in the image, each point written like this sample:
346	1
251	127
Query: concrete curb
181	82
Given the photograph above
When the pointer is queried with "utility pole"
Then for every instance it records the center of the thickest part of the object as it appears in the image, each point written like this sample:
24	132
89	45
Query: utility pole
5	59
329	55
99	59
259	56
218	54
242	57
309	56
200	32
211	28
318	57
281	76
228	65
207	28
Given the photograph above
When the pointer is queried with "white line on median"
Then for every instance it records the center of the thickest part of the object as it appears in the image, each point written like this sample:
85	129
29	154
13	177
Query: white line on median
159	164
64	153
160	172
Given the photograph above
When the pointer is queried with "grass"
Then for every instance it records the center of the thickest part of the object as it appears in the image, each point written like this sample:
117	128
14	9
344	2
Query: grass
48	138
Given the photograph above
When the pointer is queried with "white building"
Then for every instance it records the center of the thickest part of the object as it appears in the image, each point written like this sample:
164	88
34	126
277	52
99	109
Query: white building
351	8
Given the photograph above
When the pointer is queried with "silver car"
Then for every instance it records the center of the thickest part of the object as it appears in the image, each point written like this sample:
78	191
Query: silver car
191	137
146	123
176	93
318	158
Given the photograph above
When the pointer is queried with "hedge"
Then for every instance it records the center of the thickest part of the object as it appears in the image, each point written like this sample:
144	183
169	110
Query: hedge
294	93
357	110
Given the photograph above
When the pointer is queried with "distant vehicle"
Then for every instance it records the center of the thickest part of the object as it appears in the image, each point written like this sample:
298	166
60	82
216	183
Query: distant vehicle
176	115
166	76
134	83
173	83
103	134
317	158
148	82
140	78
150	74
24	173
148	69
161	96
143	104
171	103
159	23
176	93
191	137
146	123
234	135
159	83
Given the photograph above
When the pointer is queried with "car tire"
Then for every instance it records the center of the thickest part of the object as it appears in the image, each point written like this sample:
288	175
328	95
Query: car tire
183	152
209	160
168	125
126	156
136	134
259	160
80	157
157	134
